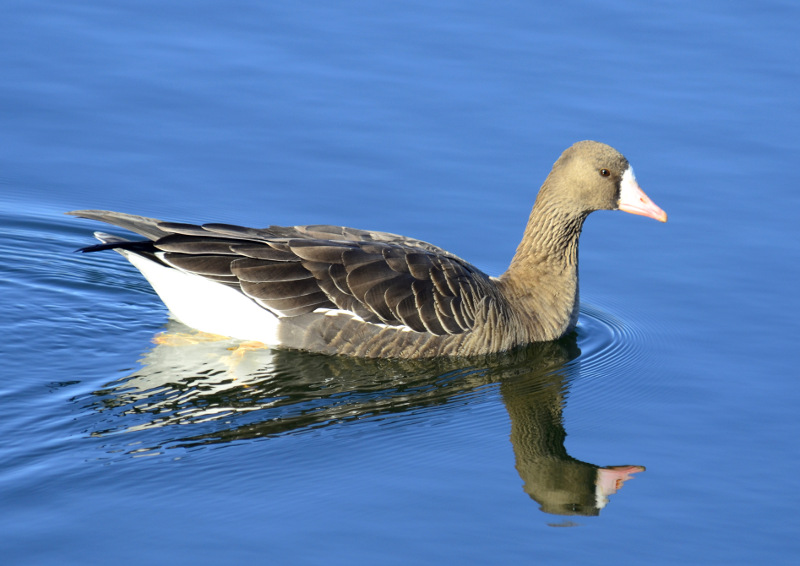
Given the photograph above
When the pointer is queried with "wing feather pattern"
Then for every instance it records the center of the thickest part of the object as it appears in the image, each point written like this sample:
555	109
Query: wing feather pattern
381	277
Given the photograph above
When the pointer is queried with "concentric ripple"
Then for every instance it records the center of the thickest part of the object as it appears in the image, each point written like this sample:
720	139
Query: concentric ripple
607	343
615	367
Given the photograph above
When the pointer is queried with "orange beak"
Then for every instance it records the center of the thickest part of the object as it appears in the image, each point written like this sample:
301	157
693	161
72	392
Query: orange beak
632	199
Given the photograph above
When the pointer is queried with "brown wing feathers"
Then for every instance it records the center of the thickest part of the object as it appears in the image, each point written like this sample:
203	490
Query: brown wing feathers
294	271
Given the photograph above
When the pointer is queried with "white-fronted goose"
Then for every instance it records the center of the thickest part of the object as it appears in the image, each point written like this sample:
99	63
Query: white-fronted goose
340	290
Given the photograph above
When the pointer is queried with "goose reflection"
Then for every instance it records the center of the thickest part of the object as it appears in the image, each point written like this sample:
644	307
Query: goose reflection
223	392
561	484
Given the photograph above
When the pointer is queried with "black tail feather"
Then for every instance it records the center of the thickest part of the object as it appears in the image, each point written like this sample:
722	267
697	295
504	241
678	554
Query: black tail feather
144	246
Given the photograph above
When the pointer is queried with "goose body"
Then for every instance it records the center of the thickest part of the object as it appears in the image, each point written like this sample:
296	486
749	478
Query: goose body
339	290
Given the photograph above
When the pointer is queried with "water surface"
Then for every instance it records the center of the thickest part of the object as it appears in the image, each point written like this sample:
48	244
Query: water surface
124	440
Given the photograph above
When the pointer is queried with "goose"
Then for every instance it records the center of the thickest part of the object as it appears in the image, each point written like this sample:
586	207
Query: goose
337	290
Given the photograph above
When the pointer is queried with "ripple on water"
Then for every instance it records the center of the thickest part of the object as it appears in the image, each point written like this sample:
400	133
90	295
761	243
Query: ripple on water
191	391
614	368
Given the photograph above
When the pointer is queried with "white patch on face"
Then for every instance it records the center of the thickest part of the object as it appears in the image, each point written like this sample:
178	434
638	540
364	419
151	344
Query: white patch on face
633	200
600	497
628	187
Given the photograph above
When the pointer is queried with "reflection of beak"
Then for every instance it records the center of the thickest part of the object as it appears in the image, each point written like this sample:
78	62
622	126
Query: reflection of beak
632	198
610	480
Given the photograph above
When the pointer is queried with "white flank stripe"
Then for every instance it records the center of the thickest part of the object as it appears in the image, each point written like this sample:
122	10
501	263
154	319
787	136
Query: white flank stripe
354	316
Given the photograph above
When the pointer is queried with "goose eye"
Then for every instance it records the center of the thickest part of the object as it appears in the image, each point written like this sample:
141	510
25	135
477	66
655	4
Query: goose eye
604	172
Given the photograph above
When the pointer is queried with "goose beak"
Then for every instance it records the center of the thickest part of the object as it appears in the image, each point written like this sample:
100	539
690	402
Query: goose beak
632	199
610	480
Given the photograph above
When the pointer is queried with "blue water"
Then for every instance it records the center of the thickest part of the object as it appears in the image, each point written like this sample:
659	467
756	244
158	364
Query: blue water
438	121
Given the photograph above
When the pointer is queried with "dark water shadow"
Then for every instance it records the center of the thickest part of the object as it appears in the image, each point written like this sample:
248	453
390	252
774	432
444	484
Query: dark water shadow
191	393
